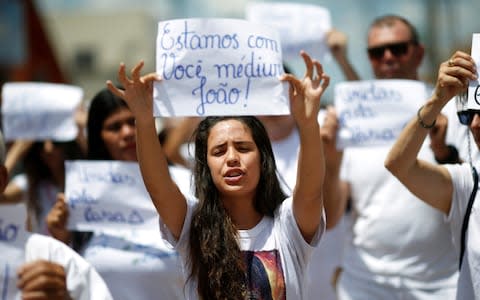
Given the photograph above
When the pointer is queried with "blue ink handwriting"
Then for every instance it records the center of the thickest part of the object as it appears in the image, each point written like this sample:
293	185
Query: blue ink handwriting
105	216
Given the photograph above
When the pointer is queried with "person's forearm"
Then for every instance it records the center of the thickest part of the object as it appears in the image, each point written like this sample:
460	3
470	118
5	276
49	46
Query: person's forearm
163	191
347	68
403	154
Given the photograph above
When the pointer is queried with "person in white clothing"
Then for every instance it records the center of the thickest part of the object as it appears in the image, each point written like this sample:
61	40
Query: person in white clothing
51	269
397	247
135	264
446	188
238	238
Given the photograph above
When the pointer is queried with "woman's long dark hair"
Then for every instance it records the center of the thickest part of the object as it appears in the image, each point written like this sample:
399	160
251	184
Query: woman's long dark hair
215	258
104	104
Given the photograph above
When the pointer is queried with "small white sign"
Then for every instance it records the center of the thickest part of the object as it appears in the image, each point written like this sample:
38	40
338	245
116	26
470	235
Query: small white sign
40	111
474	85
13	236
218	67
374	112
301	26
107	194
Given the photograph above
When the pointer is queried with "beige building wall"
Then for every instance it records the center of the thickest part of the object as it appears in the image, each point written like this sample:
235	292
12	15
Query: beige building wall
90	47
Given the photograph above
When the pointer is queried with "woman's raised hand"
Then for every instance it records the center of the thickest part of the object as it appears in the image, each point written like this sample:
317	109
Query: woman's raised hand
454	74
137	91
305	94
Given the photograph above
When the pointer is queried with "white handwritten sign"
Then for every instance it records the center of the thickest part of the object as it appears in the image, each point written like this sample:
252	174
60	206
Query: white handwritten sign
474	85
295	25
39	111
107	194
374	112
13	237
218	67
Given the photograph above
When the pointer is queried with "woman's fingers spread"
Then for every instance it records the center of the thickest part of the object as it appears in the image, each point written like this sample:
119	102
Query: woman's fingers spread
308	64
116	91
136	71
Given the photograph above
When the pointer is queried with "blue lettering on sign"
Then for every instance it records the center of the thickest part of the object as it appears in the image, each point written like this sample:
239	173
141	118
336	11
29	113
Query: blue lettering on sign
373	93
219	95
26	117
81	198
8	233
111	176
6	277
359	111
223	94
104	216
261	42
190	40
360	136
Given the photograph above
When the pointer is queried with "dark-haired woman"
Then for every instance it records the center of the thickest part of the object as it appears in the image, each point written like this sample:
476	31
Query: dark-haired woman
239	225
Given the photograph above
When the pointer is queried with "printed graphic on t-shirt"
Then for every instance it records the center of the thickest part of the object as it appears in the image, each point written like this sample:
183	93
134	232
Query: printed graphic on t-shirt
265	276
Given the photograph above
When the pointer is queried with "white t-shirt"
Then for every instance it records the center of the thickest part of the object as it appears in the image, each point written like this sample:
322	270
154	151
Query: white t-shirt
83	282
469	281
396	238
136	264
274	246
326	258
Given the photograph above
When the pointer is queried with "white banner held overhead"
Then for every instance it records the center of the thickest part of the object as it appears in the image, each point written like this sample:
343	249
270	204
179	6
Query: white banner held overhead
474	85
40	111
107	194
301	26
218	67
374	112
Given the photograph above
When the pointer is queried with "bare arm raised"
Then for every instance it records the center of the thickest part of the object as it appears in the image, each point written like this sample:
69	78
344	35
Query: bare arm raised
431	183
167	198
305	97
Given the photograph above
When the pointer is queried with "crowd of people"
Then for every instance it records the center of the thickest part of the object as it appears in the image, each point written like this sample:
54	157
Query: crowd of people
268	207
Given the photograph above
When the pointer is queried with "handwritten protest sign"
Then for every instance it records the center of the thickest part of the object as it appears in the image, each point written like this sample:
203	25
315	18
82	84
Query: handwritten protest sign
374	112
474	85
39	111
294	23
107	194
13	237
218	67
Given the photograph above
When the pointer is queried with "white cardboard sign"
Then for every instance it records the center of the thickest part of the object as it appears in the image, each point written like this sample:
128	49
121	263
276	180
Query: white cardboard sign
474	85
40	111
107	194
374	112
301	26
13	236
218	67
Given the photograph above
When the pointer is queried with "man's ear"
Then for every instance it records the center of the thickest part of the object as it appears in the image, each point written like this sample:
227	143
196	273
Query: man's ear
3	178
420	54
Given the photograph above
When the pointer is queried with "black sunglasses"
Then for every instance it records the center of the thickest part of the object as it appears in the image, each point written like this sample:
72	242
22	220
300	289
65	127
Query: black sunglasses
466	116
397	49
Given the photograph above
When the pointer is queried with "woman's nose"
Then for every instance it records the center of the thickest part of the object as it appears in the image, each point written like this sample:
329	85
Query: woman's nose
232	157
128	130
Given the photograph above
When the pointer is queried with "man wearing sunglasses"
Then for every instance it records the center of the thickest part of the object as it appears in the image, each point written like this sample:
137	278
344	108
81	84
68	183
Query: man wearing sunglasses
398	248
394	49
